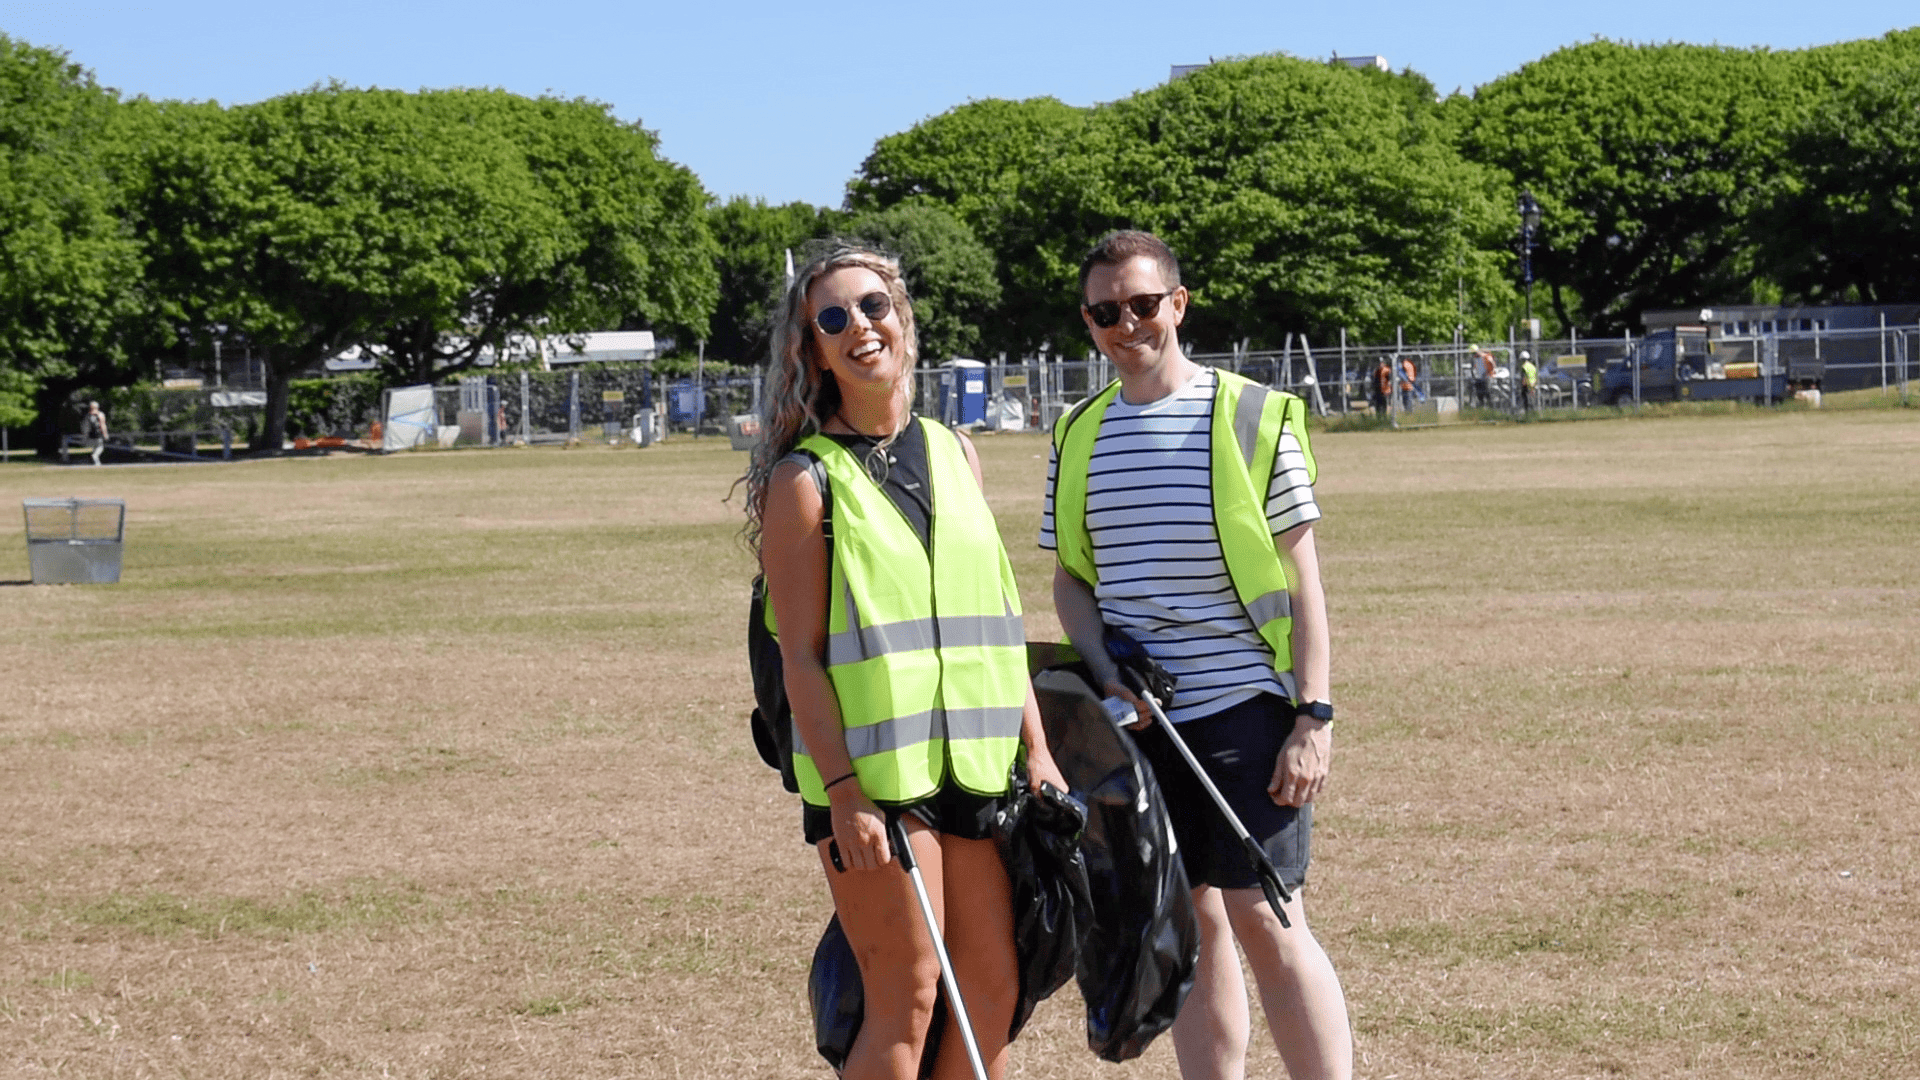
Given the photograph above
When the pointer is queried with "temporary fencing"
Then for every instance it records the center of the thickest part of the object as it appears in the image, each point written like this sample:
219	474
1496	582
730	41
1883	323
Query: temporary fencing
1447	379
605	401
1429	383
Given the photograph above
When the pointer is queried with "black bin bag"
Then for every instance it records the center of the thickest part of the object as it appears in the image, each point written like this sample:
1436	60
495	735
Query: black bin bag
834	990
1138	958
1039	840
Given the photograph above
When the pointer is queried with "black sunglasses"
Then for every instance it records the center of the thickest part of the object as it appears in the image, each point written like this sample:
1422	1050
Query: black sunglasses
1145	306
875	306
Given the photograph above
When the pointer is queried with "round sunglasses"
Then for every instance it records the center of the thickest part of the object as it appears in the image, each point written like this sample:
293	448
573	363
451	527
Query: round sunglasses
876	305
1144	306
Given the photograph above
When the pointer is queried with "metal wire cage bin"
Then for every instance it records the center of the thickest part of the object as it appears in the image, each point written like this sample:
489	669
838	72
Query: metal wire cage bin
75	541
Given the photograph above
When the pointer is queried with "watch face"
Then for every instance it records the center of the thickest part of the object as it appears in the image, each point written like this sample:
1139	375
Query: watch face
1319	710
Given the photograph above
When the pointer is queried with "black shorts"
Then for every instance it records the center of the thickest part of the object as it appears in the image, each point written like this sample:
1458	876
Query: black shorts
951	811
1237	746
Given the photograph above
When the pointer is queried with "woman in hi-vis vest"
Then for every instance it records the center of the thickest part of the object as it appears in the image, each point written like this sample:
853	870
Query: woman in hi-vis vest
905	661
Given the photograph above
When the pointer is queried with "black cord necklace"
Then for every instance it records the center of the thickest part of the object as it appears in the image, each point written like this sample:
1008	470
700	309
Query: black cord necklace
878	458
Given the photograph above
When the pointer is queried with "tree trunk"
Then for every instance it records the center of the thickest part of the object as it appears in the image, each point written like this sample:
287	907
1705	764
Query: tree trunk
1560	307
51	416
273	431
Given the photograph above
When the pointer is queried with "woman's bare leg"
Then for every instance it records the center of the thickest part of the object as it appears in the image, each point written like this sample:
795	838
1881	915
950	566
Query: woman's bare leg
979	933
898	969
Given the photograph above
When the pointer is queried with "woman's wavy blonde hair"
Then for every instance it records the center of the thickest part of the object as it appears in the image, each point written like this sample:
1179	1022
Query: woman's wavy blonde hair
800	397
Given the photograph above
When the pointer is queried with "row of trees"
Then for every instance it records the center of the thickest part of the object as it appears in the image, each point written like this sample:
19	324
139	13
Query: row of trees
1304	197
1678	175
428	226
1310	198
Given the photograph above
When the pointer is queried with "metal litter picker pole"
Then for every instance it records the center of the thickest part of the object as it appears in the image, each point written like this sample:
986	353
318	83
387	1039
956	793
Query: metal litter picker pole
1270	883
902	850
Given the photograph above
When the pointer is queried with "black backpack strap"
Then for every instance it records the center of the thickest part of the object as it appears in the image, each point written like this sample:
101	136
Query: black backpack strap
817	469
772	719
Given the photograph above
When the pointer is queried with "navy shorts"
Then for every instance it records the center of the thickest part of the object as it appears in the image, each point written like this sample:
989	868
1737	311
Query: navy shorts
1238	747
950	811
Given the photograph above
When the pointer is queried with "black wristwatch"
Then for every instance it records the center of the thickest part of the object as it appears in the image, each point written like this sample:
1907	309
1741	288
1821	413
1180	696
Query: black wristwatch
1319	710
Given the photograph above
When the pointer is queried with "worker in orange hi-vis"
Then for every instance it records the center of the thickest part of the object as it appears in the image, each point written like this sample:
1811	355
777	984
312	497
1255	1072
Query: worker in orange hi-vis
1409	384
1482	378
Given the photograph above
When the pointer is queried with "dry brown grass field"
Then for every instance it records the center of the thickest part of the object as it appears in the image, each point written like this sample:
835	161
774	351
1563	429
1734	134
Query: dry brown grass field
435	765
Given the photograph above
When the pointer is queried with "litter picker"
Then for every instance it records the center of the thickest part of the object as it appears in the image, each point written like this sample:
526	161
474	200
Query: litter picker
902	850
1146	674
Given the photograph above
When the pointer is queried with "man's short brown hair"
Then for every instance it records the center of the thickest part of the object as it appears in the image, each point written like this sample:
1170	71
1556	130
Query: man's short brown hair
1118	247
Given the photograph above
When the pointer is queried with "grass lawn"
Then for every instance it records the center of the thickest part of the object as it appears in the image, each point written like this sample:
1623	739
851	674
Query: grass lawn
436	765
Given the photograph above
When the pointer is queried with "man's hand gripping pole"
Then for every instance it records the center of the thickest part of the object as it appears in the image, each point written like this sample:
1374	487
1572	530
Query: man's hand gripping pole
1145	677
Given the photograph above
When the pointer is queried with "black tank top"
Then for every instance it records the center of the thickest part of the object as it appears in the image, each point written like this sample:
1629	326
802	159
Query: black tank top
901	470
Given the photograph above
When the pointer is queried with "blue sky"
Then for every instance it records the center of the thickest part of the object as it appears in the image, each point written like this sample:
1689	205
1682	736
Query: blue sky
783	100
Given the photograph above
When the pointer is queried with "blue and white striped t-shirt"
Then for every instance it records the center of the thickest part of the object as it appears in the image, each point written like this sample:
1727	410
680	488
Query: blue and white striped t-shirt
1162	574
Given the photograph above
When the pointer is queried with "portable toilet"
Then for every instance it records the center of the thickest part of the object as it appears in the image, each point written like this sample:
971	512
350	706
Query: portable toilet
683	403
963	392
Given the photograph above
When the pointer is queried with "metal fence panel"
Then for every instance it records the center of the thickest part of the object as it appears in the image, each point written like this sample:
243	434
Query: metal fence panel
75	541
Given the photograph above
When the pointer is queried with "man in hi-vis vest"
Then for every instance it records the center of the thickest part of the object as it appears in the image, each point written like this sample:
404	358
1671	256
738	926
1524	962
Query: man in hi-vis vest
1180	505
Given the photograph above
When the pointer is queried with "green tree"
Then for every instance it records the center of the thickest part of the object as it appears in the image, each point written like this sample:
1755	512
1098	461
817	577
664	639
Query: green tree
1301	196
949	273
314	222
69	269
1653	163
969	159
753	239
587	229
1846	226
16	398
977	161
427	226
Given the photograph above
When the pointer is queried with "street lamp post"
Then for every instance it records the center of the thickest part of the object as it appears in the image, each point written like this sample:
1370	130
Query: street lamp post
1529	221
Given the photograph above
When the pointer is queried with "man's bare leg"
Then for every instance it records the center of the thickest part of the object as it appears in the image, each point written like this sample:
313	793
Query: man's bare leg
1299	990
1210	1034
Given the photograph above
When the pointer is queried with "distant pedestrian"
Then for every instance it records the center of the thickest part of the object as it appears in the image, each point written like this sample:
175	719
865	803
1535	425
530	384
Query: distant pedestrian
95	430
1529	383
1482	378
1380	387
1409	384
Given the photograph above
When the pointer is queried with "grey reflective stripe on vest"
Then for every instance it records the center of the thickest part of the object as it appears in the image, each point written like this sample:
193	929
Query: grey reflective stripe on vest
1275	605
1246	429
867	642
993	722
909	635
1246	419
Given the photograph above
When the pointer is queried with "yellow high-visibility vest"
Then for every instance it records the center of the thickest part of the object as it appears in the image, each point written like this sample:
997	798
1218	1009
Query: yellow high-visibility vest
925	645
1244	443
